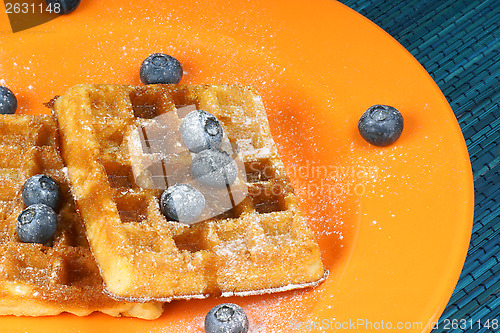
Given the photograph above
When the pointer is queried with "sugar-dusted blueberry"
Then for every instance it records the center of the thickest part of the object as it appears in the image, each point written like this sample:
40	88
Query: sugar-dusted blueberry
381	125
214	167
8	101
201	130
36	224
226	318
160	68
41	189
62	6
182	202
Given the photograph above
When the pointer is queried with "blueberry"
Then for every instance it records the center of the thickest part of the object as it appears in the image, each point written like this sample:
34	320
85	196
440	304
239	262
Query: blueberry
62	6
160	68
42	189
201	130
226	318
8	101
214	167
36	224
182	202
381	125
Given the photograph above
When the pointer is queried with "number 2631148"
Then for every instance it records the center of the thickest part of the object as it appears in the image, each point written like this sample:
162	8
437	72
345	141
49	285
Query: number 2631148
31	8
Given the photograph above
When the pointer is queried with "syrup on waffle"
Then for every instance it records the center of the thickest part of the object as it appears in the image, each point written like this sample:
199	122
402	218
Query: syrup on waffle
61	276
263	244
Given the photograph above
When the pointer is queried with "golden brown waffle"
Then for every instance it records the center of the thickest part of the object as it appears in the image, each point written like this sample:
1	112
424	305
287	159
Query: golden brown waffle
62	276
261	245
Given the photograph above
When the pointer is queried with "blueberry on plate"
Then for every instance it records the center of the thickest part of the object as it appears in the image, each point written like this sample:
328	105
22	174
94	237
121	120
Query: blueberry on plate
182	203
41	189
36	224
381	125
8	101
62	6
160	68
201	130
214	168
226	318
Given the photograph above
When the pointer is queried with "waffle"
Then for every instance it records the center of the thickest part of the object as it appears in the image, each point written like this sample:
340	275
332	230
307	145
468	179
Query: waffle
262	244
61	276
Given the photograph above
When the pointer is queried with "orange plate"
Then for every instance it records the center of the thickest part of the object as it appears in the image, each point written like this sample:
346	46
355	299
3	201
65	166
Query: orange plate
393	223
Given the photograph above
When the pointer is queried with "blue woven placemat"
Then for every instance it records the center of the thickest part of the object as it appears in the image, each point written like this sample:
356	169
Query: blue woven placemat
458	43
